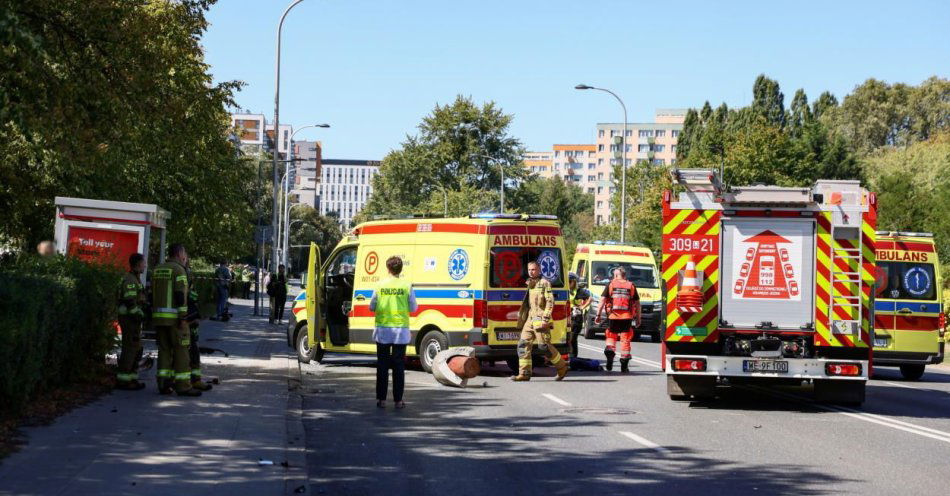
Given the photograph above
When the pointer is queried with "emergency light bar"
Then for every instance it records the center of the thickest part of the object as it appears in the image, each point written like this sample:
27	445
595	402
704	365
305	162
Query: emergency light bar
903	233
488	215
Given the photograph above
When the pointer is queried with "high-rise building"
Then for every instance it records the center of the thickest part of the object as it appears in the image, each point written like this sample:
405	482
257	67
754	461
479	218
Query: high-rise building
345	187
591	166
255	134
305	172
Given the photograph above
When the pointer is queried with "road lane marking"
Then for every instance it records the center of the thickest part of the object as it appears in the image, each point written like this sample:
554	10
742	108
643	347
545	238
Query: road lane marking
643	441
903	385
555	399
865	416
641	361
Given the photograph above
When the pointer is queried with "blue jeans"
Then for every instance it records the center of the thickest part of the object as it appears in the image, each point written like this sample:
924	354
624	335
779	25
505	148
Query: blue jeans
222	300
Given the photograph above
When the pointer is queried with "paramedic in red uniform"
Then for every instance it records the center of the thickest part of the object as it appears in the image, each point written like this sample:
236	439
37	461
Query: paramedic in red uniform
622	303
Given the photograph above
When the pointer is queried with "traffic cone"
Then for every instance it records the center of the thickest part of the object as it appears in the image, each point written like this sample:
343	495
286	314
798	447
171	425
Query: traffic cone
689	298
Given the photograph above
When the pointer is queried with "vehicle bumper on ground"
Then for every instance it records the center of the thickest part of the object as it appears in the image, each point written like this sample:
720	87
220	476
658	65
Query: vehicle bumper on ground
909	357
505	352
798	368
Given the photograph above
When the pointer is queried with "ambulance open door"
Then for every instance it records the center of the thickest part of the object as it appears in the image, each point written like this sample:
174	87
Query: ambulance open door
314	286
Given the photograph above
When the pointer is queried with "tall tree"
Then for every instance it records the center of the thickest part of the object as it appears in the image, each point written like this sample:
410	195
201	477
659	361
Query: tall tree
824	102
800	113
691	132
553	196
768	100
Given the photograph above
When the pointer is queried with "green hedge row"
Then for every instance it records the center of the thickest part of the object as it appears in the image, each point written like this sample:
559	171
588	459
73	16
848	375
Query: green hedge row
56	324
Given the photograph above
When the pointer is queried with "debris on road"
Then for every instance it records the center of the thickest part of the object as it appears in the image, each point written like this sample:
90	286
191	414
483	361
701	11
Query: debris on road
455	366
262	462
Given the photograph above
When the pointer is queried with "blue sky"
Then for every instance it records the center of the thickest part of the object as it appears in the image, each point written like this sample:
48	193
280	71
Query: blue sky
374	69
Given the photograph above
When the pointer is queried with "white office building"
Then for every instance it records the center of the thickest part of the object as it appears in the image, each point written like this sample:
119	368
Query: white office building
345	186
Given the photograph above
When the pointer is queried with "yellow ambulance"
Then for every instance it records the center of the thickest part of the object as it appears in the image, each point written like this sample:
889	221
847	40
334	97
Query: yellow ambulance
468	275
909	319
594	262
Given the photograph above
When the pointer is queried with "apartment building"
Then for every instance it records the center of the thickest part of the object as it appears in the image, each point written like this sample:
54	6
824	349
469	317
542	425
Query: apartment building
345	186
538	163
304	173
255	134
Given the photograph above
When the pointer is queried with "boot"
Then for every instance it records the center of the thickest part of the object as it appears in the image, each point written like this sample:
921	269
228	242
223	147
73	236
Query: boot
561	370
609	363
165	386
625	364
521	378
130	385
192	393
200	386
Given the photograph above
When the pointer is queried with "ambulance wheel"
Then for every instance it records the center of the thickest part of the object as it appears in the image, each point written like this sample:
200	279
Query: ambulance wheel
912	372
432	343
304	352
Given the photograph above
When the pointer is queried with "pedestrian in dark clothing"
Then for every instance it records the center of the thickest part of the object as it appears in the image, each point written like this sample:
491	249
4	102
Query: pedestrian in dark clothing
277	290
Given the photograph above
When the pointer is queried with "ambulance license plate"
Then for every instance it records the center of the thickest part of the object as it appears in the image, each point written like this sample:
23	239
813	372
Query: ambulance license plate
765	366
507	335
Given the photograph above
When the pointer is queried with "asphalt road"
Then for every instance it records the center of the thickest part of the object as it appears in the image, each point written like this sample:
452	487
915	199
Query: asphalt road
608	433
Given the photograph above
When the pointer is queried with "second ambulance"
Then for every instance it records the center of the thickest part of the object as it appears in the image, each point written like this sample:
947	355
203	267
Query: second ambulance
908	314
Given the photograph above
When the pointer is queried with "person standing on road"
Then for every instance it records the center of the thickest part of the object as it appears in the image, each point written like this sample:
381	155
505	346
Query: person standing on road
194	319
169	313
580	302
622	303
222	277
277	290
534	319
393	301
131	310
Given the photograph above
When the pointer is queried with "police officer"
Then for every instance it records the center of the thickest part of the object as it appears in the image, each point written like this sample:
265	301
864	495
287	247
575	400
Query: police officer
194	318
580	302
534	319
131	310
622	302
169	314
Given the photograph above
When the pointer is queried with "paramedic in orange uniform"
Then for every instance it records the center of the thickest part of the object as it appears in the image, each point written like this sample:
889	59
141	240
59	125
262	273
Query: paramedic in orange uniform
622	303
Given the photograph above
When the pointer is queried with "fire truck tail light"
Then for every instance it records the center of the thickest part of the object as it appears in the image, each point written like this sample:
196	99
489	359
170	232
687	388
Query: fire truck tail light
481	313
843	369
689	364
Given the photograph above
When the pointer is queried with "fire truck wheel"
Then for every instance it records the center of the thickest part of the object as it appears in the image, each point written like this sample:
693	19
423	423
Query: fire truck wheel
912	372
431	344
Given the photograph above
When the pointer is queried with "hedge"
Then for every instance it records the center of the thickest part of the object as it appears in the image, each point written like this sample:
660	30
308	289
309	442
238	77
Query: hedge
56	324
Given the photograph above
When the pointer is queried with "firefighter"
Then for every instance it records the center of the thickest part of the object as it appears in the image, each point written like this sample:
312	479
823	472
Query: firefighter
169	314
622	303
194	318
131	310
534	319
580	301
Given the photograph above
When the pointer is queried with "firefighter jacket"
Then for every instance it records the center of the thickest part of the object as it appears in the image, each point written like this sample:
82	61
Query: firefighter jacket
169	294
538	303
131	298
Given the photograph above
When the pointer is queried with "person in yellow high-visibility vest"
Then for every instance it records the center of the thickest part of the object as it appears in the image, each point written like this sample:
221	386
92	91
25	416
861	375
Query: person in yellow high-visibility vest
392	302
169	317
131	310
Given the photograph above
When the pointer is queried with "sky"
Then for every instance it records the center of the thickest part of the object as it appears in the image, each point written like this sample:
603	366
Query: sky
372	70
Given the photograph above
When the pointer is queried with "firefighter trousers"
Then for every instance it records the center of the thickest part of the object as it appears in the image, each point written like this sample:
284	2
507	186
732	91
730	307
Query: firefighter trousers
173	360
131	352
530	336
194	354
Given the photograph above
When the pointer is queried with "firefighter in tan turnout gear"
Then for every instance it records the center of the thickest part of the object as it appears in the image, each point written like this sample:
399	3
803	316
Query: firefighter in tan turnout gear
169	317
131	310
534	319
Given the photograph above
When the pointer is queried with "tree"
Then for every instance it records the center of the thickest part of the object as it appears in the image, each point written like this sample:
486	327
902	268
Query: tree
553	196
644	216
112	100
461	145
308	226
768	100
800	113
824	102
691	131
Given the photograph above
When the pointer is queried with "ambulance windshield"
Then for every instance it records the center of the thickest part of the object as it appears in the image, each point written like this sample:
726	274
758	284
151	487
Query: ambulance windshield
509	265
642	276
905	281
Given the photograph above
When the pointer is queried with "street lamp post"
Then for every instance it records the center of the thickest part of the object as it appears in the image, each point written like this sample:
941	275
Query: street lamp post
277	140
283	231
623	160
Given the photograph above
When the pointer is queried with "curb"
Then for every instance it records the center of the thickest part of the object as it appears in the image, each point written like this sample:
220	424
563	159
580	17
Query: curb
296	474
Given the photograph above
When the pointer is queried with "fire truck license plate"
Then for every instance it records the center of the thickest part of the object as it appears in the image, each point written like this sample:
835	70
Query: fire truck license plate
764	366
507	335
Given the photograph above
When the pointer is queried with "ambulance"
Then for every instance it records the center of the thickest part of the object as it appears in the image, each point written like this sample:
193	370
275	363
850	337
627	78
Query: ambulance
468	275
909	317
768	285
594	263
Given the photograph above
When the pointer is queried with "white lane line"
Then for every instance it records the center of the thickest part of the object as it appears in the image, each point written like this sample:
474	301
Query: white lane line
555	399
867	417
902	385
643	441
641	361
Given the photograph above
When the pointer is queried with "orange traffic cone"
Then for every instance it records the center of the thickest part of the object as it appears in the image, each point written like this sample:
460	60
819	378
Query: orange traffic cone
689	298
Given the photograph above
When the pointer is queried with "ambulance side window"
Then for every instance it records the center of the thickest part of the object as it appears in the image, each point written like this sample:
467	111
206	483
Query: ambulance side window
343	263
582	270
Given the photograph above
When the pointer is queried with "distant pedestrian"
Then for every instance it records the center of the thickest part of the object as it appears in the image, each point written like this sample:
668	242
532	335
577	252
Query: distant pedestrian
392	303
222	276
277	290
622	303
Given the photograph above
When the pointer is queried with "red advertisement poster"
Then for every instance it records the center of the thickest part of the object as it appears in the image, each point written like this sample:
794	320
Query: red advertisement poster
102	245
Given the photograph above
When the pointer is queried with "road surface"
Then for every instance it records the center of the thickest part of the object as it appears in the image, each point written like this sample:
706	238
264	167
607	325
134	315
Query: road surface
608	433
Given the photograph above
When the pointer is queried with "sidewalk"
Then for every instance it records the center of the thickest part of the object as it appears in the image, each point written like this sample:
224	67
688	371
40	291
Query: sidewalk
142	443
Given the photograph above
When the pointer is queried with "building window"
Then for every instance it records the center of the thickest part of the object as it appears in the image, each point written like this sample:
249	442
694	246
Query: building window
591	166
672	161
600	176
659	148
600	204
591	178
590	191
646	133
600	148
629	133
673	148
600	190
600	161
590	153
659	161
643	148
600	219
600	134
557	166
674	133
660	133
557	153
626	148
612	133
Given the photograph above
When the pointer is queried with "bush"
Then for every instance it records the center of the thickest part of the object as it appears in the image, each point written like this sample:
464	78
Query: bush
56	324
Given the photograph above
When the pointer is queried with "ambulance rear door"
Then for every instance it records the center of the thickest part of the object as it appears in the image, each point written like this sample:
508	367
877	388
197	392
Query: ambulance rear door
768	267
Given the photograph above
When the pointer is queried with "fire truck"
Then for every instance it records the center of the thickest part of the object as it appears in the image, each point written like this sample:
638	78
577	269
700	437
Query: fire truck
769	285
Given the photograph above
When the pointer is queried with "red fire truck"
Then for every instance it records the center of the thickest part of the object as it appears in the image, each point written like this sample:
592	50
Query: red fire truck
768	284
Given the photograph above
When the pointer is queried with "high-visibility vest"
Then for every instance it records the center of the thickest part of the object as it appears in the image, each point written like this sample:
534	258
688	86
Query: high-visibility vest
169	294
392	303
623	295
